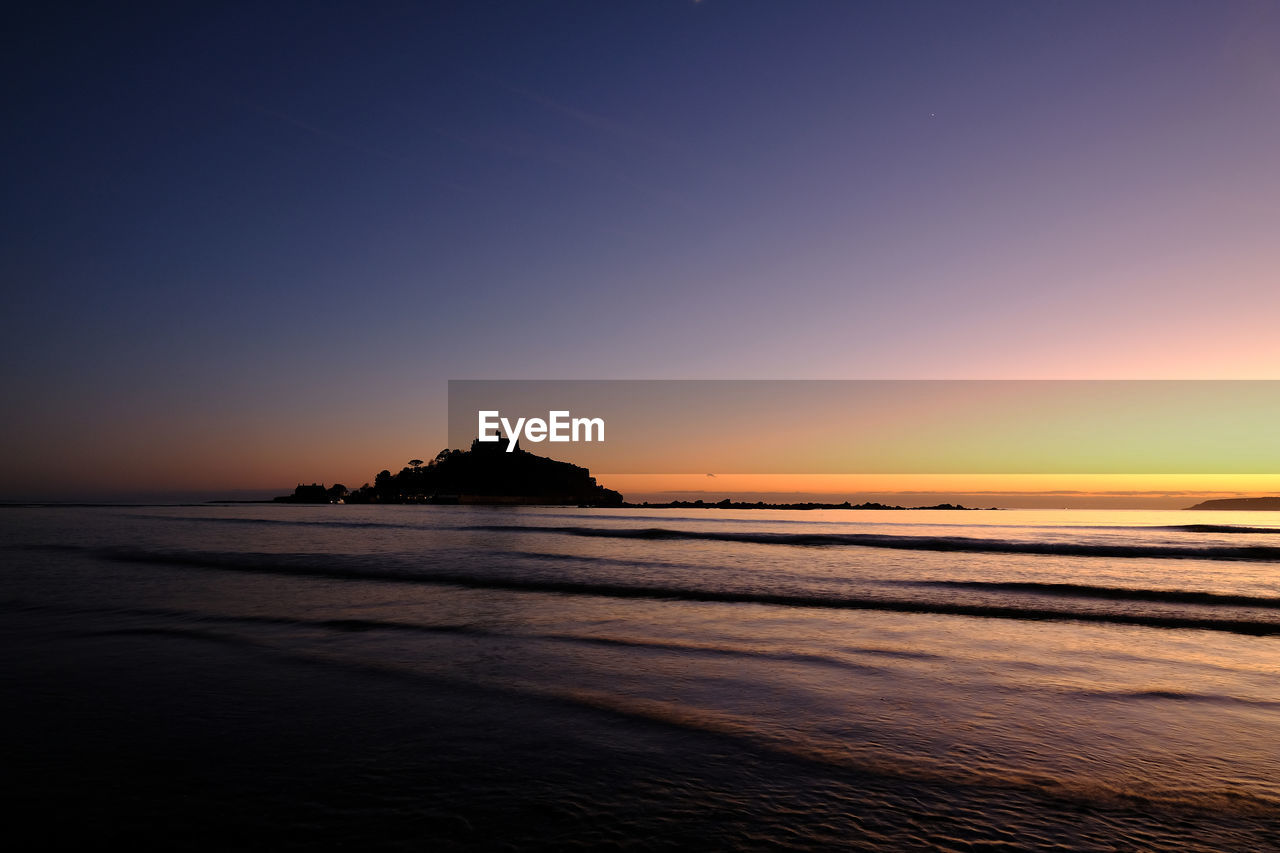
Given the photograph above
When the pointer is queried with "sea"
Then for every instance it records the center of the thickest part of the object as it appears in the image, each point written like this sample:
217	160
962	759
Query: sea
279	677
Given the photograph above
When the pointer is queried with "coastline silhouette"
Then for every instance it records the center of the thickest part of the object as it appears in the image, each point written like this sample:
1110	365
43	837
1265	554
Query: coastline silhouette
488	474
485	474
1270	503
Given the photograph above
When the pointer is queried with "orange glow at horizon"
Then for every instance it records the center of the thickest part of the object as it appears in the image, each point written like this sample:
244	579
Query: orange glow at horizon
1132	489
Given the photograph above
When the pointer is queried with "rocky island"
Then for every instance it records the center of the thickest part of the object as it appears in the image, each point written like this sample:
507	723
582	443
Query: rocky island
486	474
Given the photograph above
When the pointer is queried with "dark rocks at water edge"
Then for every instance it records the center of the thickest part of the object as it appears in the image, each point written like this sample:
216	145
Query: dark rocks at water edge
728	504
485	474
1265	504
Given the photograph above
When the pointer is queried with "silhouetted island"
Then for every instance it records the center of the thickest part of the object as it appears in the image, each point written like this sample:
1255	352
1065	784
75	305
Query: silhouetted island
1268	503
485	474
488	474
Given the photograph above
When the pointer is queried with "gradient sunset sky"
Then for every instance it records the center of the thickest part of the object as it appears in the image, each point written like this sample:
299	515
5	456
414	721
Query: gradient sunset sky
247	245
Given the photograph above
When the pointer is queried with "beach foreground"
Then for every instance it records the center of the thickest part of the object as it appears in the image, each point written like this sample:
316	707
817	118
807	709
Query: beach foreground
398	677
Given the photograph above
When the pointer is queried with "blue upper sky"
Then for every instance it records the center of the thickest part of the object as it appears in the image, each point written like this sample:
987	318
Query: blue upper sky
258	241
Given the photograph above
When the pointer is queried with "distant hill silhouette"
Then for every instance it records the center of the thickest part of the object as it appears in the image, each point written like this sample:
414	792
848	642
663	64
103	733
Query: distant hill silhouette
485	474
1268	503
315	493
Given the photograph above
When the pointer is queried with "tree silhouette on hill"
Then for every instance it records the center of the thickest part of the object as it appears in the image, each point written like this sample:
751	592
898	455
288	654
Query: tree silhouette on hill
485	474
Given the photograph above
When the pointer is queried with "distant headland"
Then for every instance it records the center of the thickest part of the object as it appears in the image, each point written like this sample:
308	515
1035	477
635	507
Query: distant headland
1265	504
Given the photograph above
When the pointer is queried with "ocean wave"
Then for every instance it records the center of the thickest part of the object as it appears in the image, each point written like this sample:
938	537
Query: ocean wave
190	619
172	632
282	522
941	543
1176	696
311	565
873	763
1216	528
837	753
957	544
1076	590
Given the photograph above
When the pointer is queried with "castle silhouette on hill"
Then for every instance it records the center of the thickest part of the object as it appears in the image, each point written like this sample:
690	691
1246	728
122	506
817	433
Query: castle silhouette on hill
485	474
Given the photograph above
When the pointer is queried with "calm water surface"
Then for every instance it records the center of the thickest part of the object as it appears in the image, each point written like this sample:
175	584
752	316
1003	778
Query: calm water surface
547	678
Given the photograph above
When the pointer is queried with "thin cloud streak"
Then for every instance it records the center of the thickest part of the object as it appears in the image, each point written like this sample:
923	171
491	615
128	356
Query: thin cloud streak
341	141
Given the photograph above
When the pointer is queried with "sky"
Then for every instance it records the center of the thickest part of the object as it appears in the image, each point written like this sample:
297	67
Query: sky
247	245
